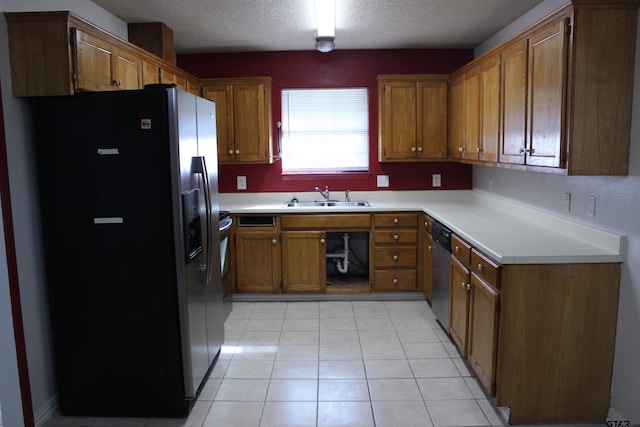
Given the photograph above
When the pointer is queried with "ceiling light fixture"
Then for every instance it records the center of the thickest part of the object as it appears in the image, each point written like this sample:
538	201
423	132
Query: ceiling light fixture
326	20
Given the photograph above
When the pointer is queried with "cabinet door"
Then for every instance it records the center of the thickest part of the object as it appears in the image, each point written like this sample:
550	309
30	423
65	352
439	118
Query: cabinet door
304	261
150	72
257	261
93	63
432	120
514	102
456	115
471	114
222	95
459	314
398	121
167	76
548	71
490	109
250	123
483	331
127	70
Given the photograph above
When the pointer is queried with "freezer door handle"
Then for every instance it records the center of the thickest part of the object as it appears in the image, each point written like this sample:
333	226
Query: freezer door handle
200	167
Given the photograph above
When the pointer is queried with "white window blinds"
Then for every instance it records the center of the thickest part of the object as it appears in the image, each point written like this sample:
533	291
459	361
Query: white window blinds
325	130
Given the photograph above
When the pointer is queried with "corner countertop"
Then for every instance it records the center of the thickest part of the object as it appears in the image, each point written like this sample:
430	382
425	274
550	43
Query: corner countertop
509	232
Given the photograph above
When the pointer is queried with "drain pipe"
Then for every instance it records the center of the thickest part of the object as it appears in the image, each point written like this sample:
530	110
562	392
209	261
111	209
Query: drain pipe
342	264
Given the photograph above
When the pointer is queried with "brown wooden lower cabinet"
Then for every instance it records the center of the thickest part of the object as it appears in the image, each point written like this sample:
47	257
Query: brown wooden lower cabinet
556	340
482	343
304	261
257	261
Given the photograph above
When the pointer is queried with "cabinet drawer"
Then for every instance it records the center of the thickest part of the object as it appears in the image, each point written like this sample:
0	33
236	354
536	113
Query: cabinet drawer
399	256
326	222
394	280
461	250
396	220
396	236
486	268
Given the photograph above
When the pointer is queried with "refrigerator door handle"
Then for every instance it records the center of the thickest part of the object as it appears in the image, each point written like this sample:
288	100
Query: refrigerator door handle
200	166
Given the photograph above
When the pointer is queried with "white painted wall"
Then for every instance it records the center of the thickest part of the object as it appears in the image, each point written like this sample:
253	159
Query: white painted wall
26	220
617	209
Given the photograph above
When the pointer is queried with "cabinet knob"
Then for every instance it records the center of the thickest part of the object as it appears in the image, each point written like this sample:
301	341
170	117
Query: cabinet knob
479	150
460	149
395	281
468	286
429	248
479	267
420	149
462	285
396	237
274	241
231	152
396	220
457	249
426	223
522	150
237	151
322	241
396	257
413	149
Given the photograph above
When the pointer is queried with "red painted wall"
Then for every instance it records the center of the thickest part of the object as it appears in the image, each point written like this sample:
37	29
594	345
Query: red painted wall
340	68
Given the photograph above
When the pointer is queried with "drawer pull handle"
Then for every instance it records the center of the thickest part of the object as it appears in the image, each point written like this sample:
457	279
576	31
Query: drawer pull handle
396	237
396	257
479	267
396	220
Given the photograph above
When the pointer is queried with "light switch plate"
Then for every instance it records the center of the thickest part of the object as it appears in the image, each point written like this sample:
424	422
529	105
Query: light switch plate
241	182
383	180
436	180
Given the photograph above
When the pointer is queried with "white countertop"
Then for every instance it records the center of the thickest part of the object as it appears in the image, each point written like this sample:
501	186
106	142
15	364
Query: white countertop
509	232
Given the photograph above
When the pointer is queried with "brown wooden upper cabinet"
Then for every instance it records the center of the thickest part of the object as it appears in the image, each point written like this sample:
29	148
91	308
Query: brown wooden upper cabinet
101	65
563	101
243	118
473	134
412	117
59	53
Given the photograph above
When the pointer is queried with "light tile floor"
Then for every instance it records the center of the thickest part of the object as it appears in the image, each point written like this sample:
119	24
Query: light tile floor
332	364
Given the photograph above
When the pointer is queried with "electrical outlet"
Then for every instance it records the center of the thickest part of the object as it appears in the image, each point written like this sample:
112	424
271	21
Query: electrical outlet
591	207
241	182
436	180
567	202
383	180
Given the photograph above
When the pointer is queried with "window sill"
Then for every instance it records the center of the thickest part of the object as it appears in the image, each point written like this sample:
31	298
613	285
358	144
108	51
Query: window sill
328	176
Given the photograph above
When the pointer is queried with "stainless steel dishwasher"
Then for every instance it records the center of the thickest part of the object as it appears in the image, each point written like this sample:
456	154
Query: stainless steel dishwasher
441	273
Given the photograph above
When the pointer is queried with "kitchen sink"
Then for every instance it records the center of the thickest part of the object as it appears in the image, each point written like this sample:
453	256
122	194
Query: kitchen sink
330	203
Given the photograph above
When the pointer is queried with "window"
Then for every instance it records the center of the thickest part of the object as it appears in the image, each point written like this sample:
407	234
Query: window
325	130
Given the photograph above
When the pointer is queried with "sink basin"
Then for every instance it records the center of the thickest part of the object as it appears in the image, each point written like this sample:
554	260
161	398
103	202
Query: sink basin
330	203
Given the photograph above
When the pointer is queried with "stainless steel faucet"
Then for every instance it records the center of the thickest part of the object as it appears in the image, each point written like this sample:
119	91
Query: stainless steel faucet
324	193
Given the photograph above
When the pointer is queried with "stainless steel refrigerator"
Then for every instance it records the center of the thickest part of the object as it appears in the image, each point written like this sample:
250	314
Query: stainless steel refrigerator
129	213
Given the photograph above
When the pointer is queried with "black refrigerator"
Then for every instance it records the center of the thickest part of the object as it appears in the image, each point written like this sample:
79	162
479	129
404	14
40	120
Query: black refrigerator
129	211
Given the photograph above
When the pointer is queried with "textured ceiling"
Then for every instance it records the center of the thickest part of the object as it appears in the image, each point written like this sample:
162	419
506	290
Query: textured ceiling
256	25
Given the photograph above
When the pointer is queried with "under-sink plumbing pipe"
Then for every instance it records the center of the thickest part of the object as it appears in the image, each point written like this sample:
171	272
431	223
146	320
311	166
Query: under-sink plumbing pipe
342	264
